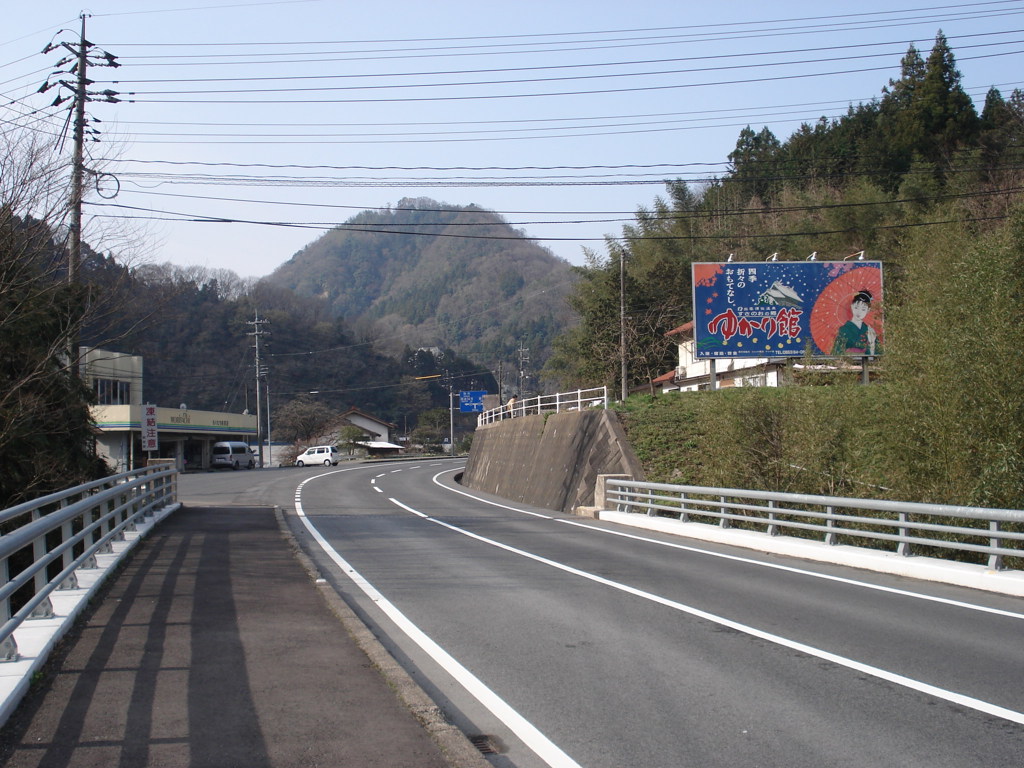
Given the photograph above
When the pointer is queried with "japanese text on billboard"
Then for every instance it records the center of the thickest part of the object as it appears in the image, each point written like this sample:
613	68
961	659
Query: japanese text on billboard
787	309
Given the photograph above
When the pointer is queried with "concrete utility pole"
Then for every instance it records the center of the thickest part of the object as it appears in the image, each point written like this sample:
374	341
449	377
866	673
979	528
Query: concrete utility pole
74	83
258	332
524	359
78	169
622	323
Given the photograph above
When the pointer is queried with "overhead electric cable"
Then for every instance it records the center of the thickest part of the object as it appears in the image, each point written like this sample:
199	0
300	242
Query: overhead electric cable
496	96
588	65
520	81
833	25
454	235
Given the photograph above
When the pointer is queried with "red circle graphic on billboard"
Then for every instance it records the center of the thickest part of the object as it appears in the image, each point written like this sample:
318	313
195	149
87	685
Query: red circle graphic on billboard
834	319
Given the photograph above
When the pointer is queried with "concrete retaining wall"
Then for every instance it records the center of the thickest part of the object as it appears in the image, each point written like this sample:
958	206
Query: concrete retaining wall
550	460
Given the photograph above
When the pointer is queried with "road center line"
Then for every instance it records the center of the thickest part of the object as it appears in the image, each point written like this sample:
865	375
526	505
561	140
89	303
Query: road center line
892	677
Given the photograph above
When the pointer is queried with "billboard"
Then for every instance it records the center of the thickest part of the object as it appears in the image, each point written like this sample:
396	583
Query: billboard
787	309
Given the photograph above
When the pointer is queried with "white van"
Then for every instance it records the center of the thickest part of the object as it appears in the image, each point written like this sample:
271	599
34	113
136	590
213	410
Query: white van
233	455
318	454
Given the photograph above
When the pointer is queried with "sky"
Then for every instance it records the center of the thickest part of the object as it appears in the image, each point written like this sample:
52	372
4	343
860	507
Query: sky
245	130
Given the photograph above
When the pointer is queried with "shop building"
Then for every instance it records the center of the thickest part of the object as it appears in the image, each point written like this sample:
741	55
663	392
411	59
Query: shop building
185	435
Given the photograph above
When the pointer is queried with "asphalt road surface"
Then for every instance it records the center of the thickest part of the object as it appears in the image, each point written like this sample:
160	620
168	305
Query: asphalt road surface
575	642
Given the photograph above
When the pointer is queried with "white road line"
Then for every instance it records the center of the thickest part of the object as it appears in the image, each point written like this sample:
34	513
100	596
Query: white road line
745	560
530	735
917	685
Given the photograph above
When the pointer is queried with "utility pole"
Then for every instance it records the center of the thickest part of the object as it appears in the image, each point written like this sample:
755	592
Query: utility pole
78	169
622	322
81	56
451	412
258	332
524	358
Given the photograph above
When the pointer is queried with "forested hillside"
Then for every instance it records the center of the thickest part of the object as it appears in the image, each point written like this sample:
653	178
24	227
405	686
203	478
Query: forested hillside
194	328
918	179
429	274
907	167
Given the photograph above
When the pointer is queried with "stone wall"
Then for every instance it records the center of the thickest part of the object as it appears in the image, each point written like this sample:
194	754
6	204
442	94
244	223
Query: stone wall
550	460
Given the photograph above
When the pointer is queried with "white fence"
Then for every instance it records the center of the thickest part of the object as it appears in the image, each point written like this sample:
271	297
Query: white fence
904	527
47	540
563	401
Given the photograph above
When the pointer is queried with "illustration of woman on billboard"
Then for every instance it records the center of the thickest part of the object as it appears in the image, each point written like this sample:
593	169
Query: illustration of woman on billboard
856	336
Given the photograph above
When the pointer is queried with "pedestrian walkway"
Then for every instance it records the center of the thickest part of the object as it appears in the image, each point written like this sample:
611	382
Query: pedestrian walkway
214	648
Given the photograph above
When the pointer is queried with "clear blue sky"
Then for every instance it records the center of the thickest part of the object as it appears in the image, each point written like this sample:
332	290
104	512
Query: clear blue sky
577	110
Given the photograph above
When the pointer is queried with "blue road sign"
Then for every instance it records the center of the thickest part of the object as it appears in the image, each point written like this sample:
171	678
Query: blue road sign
471	402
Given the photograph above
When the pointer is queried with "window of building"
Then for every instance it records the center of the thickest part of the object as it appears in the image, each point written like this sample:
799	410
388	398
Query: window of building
112	392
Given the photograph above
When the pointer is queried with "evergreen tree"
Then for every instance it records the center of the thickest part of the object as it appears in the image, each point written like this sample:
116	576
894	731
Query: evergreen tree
943	112
755	164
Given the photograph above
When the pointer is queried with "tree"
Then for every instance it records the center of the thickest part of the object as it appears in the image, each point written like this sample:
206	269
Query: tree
755	164
955	410
432	429
942	109
302	420
46	440
1001	131
349	435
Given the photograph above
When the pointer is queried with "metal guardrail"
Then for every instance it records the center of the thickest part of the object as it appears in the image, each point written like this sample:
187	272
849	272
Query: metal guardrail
562	401
879	524
47	540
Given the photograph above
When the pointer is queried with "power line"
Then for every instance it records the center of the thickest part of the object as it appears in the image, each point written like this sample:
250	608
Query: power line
592	65
454	235
496	96
670	216
833	25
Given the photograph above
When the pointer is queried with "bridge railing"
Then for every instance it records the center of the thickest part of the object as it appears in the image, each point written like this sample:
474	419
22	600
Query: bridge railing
562	401
904	527
46	540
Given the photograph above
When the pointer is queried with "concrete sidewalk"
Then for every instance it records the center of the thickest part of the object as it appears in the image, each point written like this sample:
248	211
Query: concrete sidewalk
214	647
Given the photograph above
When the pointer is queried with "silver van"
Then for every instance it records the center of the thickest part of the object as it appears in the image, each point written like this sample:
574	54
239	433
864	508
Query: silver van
232	455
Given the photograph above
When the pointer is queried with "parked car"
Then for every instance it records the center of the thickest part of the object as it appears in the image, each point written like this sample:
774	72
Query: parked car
230	455
318	454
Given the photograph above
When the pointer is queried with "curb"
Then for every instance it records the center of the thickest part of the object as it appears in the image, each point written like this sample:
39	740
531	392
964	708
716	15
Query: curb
925	568
455	746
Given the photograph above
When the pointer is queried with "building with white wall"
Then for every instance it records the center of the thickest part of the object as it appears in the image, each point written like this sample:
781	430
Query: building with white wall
185	435
692	374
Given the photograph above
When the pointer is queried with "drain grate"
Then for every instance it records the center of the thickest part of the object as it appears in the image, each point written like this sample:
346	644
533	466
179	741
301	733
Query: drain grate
484	744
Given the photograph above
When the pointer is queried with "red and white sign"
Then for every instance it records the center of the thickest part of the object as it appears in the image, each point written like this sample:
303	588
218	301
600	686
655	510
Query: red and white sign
150	436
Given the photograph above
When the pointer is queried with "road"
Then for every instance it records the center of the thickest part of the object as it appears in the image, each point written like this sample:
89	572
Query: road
575	642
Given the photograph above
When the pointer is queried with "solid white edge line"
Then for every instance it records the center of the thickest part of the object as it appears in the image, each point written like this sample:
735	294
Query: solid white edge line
526	731
745	560
882	674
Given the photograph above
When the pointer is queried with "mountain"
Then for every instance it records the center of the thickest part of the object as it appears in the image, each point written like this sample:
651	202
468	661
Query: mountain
429	274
